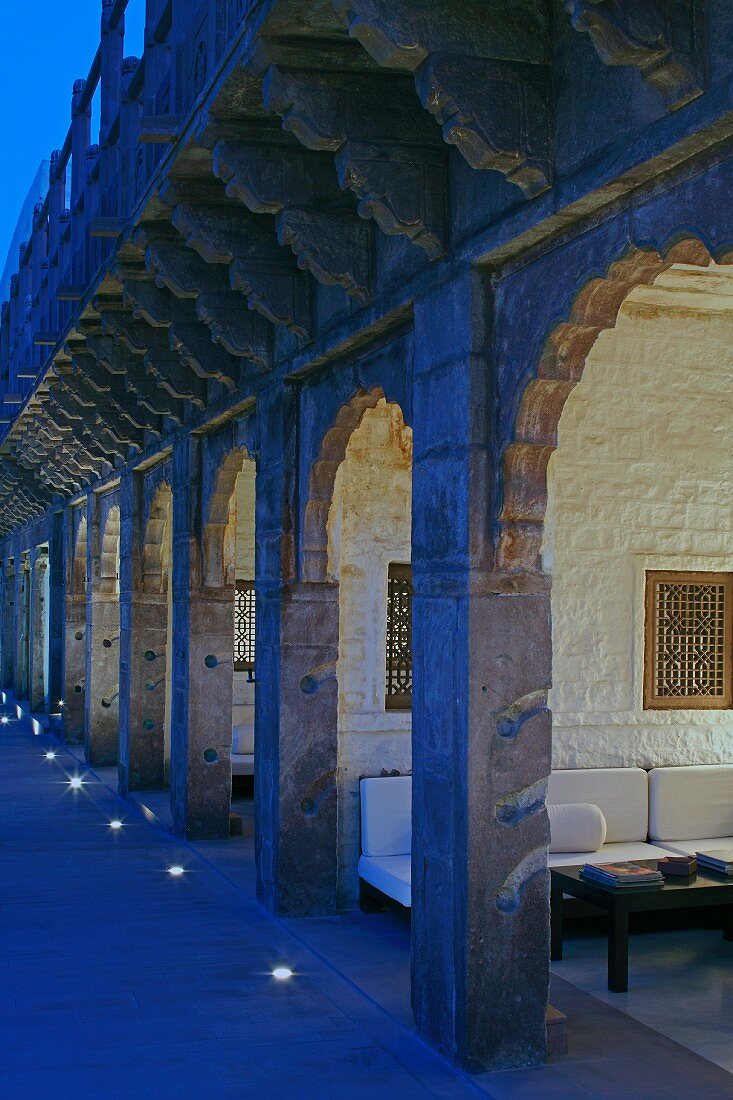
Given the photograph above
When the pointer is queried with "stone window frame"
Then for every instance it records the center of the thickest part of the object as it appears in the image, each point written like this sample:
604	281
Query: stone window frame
655	701
397	700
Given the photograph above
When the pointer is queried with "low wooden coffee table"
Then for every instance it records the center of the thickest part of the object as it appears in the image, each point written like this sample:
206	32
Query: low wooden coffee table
704	888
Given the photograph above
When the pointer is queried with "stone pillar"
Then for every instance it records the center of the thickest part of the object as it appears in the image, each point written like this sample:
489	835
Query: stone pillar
9	627
56	613
481	754
39	622
143	640
203	627
296	733
75	631
101	726
22	632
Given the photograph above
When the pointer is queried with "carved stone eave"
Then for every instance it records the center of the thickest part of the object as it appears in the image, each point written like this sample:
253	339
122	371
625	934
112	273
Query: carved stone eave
663	40
393	161
314	217
485	78
259	267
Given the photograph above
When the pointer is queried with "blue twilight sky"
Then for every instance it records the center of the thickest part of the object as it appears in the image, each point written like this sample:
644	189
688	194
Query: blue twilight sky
44	47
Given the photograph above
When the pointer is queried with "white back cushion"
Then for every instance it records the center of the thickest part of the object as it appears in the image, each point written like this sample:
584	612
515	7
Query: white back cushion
386	815
691	803
622	794
243	739
576	827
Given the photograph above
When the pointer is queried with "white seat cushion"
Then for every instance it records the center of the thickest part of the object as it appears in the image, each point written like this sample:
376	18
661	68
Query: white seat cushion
690	802
621	793
386	815
609	853
243	739
389	874
576	827
705	844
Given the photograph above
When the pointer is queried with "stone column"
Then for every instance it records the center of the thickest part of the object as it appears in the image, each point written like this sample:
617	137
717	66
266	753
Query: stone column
75	630
296	732
56	613
22	623
9	627
39	620
203	618
101	727
143	638
481	751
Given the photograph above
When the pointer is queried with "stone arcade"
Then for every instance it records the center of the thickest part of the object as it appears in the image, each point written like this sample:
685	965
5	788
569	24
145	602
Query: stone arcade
334	280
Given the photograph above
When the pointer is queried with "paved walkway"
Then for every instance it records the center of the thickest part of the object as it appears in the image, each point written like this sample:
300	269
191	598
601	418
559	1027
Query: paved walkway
119	980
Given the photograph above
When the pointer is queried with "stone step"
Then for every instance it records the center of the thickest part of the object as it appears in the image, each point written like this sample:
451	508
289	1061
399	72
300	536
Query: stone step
557	1032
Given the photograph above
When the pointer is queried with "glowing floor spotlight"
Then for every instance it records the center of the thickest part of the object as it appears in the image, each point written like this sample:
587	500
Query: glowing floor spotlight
76	782
116	824
61	702
50	755
4	719
282	973
176	870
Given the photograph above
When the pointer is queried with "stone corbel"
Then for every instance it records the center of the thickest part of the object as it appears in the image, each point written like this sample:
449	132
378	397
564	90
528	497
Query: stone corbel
484	77
238	329
114	387
313	216
120	362
186	335
663	39
264	272
386	151
106	414
160	362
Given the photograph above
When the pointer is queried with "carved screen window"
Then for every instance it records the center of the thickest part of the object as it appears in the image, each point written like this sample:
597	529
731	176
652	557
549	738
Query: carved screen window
244	626
689	619
398	686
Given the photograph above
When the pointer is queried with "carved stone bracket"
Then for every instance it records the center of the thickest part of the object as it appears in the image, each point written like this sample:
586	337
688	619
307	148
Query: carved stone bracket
238	329
484	75
663	39
313	216
264	272
186	335
161	363
115	390
131	368
387	151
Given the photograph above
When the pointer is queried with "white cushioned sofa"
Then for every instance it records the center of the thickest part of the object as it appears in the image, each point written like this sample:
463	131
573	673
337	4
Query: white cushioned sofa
645	815
243	740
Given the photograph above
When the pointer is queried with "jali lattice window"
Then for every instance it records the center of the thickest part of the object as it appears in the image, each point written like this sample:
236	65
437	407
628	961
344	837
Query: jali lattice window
398	687
244	626
688	641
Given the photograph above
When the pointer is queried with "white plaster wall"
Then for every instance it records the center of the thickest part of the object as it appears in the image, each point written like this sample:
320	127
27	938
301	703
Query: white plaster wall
369	527
642	479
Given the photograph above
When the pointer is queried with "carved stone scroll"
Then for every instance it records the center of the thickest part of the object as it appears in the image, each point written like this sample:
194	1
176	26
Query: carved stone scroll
391	158
484	75
313	216
663	39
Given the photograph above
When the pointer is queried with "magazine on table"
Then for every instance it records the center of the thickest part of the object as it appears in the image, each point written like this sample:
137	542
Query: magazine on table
622	874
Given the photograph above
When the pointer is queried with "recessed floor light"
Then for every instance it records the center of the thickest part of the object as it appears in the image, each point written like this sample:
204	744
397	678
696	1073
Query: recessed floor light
50	755
282	973
116	824
75	782
176	870
4	719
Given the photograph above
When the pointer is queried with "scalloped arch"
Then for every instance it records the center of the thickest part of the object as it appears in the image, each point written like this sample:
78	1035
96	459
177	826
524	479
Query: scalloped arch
157	539
560	368
215	528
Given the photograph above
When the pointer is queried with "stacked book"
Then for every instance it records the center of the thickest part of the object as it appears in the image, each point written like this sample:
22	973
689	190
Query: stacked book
720	861
621	875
